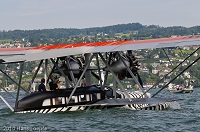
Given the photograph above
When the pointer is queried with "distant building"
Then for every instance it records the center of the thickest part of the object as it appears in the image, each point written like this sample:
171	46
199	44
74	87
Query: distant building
155	71
146	70
156	56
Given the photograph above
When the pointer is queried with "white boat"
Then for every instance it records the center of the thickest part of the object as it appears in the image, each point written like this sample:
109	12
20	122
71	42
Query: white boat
180	88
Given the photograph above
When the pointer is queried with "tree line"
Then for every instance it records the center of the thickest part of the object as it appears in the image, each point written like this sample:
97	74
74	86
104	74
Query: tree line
136	30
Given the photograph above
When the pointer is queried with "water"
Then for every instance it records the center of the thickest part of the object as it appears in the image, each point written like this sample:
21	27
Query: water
182	116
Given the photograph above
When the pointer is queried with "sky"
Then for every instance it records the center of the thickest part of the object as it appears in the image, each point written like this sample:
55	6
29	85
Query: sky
49	14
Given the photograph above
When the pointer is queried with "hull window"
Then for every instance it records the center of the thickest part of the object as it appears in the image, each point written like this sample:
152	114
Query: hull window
46	102
55	101
63	100
83	98
76	99
98	96
88	98
72	100
79	98
94	96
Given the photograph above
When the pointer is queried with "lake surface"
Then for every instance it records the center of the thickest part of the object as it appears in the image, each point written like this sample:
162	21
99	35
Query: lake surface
182	116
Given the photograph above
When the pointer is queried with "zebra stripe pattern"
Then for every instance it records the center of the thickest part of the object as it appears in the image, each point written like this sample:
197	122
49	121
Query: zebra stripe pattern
137	94
63	109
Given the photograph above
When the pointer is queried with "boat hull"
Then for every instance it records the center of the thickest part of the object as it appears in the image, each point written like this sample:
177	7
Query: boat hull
84	98
181	91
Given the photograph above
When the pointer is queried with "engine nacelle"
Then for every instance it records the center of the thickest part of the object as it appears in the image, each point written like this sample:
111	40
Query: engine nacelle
75	68
118	66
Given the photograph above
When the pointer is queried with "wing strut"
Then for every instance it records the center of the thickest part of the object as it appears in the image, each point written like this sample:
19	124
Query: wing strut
13	80
130	72
7	103
52	70
100	78
88	73
33	78
168	57
20	79
61	71
115	77
70	71
79	80
8	92
45	71
106	75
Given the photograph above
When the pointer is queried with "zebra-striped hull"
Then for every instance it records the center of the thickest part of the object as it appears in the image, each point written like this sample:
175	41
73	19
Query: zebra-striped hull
161	106
76	108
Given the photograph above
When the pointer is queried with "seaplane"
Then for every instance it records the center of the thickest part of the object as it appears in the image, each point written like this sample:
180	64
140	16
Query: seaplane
73	63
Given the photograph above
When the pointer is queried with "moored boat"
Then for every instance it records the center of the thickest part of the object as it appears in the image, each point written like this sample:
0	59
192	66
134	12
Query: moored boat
180	88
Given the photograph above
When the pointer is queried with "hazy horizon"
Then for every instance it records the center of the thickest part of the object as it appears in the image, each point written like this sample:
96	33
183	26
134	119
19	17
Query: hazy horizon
89	27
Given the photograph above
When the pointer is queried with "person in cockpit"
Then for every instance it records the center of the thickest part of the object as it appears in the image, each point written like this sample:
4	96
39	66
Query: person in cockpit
42	87
53	83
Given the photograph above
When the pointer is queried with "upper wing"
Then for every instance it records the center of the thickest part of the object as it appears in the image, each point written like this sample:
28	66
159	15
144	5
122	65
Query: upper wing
58	50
